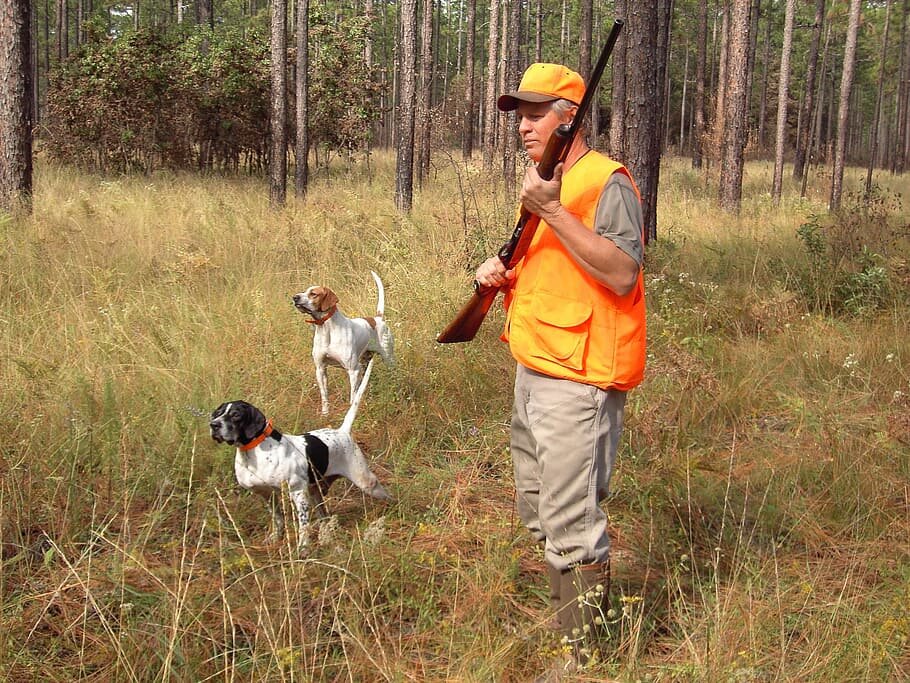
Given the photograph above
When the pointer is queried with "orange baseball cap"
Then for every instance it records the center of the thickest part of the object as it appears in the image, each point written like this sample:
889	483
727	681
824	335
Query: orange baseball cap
544	83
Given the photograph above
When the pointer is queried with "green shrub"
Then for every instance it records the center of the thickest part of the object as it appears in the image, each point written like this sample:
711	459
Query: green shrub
855	255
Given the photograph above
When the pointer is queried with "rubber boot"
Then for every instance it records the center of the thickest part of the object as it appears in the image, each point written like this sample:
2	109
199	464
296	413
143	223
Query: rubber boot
563	663
584	591
555	623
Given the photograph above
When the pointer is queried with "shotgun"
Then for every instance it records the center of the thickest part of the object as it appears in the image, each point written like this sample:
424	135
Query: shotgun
469	318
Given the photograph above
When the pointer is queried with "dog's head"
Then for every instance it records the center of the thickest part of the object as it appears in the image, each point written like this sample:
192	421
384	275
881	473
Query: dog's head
316	301
236	423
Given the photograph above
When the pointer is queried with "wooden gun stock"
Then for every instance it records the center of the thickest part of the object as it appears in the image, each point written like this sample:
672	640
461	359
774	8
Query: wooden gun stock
467	322
465	325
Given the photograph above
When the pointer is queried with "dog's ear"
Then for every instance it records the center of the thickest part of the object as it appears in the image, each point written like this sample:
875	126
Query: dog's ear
252	422
316	295
328	299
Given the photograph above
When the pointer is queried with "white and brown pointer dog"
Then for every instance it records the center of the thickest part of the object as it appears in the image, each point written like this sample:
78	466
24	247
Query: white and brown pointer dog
309	463
339	340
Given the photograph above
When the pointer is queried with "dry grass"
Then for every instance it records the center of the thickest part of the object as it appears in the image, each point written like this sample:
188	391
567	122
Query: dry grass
760	513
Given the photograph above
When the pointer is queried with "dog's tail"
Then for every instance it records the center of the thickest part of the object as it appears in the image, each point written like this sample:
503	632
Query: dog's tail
380	305
355	403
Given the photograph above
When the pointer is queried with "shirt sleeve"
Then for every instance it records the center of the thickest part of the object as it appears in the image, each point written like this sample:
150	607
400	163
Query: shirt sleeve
619	217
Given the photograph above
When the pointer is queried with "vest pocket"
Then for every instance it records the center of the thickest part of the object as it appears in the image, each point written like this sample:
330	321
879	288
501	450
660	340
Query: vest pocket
559	329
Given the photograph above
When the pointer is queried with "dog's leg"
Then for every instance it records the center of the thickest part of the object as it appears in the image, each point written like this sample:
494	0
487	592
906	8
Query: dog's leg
302	503
323	381
354	375
317	500
385	343
277	517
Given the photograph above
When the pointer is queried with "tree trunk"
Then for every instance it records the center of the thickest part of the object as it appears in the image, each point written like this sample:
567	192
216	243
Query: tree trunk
903	98
664	39
489	127
799	161
735	129
407	86
720	107
585	36
783	92
61	33
754	18
564	33
876	118
843	109
501	121
35	63
644	88
470	111
512	76
278	160
682	103
813	149
618	99
538	31
204	14
700	60
425	97
15	106
302	85
765	70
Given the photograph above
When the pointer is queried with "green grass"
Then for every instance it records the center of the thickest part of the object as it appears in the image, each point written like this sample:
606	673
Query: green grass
759	511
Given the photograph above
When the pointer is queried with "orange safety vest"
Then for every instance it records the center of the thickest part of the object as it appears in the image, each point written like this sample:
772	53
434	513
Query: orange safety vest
560	321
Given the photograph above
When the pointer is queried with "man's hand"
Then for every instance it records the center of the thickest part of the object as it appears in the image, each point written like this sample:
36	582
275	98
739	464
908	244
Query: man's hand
539	196
491	273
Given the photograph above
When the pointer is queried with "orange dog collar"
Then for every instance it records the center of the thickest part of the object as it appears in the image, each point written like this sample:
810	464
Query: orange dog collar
259	439
322	320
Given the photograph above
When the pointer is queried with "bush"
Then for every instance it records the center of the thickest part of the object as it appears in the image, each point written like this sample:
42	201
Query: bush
109	106
856	256
200	99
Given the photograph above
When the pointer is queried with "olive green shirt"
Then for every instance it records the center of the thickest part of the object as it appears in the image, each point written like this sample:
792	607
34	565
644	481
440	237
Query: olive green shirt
618	216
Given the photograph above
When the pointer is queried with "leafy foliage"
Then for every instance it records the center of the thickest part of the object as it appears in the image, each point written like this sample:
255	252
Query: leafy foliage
344	91
200	99
108	106
224	85
857	257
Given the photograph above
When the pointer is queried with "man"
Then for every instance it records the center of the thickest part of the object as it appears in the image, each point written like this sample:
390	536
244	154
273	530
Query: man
576	327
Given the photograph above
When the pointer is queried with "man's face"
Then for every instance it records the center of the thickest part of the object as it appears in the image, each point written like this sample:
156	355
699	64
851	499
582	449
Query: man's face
536	122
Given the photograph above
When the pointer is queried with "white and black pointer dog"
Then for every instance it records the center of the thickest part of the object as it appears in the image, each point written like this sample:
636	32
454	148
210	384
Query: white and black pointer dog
309	463
343	341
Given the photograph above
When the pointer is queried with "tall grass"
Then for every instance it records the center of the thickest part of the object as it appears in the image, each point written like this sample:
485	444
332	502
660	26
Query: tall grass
759	512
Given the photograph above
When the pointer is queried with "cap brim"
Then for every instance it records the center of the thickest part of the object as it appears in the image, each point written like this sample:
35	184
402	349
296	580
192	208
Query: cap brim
509	101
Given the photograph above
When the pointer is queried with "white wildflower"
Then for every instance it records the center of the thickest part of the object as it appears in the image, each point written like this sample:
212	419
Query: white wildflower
375	532
328	529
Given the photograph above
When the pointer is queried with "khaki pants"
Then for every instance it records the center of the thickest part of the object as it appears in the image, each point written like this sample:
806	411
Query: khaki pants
564	440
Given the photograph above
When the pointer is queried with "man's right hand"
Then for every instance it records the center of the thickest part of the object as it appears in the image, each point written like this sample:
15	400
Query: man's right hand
492	273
